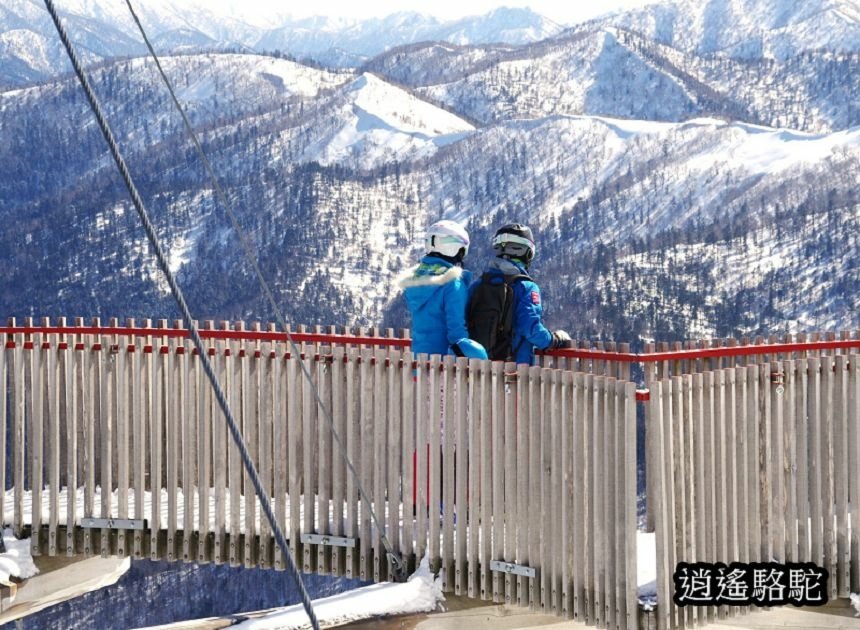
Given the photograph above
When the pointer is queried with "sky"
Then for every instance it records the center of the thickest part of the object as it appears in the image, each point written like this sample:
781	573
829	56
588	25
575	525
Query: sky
561	12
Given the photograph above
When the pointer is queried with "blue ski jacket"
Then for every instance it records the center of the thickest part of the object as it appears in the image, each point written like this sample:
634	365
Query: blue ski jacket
529	332
437	292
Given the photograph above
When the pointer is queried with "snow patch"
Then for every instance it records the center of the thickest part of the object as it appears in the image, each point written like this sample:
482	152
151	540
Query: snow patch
17	561
421	593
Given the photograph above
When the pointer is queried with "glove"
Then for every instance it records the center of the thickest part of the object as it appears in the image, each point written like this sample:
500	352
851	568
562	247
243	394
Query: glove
469	348
560	339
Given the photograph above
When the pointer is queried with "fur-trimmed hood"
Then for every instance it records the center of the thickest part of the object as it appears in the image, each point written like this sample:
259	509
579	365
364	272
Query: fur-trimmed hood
435	275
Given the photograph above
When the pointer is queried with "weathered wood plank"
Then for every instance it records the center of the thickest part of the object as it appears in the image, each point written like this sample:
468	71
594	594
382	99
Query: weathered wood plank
394	449
461	454
475	465
378	469
533	476
524	516
509	496
840	474
487	489
854	465
827	471
498	479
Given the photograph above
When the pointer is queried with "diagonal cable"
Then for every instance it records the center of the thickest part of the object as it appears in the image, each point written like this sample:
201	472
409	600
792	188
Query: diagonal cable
186	315
393	557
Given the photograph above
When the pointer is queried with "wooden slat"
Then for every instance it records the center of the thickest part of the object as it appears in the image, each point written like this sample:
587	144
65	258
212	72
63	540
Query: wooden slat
524	516
173	438
840	475
447	439
250	375
309	451
754	423
143	422
566	505
422	423
816	476
294	452
407	462
52	442
487	488
509	495
36	442
89	460
6	365
205	454
266	410
378	470
189	423
475	464
827	470
498	441
235	371
661	509
278	452
556	552
353	448
434	498
708	466
219	460
630	609
854	465
394	450
789	397
70	437
589	476
743	454
366	428
105	438
578	510
338	464
461	458
323	463
610	521
533	477
120	412
777	465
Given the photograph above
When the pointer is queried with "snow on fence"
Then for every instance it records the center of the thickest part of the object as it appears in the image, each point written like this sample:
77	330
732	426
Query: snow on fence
519	482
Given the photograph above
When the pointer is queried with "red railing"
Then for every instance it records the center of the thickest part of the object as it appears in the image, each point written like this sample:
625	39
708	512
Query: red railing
238	332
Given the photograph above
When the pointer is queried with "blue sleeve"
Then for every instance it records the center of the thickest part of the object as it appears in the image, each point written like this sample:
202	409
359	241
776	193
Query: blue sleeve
529	313
456	301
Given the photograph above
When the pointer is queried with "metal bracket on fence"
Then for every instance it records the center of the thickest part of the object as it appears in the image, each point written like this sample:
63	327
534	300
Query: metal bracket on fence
114	523
515	569
333	541
778	379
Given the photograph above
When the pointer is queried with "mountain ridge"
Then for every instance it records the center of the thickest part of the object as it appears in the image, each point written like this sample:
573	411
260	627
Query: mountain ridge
335	173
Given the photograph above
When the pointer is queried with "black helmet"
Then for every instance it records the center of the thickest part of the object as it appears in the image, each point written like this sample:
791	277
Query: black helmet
514	240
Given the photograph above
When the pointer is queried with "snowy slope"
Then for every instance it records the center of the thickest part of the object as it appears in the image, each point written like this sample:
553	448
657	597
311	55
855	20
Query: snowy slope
749	28
379	123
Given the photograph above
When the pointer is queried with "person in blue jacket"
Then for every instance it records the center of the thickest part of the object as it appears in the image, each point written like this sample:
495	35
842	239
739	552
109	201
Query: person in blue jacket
436	292
514	246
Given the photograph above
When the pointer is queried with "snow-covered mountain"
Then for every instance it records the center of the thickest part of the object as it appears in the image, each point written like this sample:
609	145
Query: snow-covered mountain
603	70
749	29
672	193
103	29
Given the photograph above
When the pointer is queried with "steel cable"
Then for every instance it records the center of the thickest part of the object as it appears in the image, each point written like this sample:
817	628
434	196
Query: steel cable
186	315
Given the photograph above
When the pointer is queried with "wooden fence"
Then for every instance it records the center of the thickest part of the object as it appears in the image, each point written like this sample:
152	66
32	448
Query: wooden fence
519	482
756	463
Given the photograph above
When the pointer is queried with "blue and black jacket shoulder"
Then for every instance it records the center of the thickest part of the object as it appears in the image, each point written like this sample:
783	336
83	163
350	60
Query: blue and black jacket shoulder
529	333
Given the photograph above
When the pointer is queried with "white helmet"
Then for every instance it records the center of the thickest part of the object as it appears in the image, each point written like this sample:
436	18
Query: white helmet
447	238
